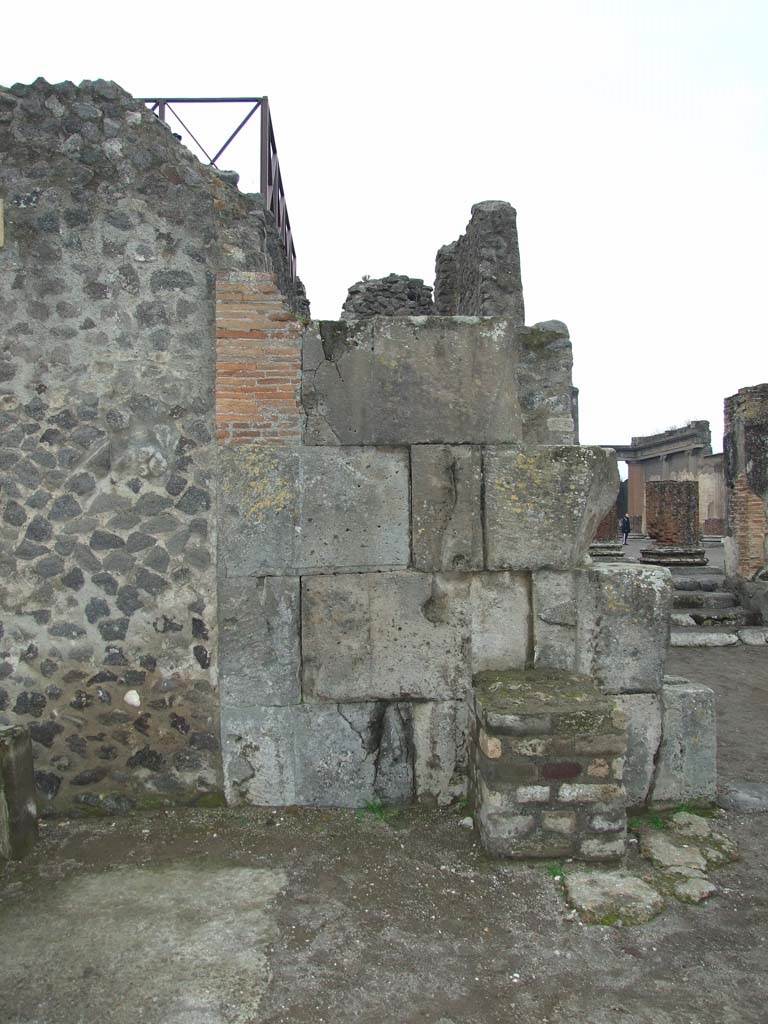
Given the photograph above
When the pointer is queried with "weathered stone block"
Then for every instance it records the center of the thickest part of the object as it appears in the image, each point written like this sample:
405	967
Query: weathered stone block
542	504
554	619
388	636
440	749
500	611
259	653
375	636
686	767
547	397
318	755
622	630
446	485
643	712
414	380
18	808
289	510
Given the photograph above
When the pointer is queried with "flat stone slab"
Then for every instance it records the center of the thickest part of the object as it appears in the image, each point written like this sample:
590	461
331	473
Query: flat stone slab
294	510
754	636
745	797
670	856
206	932
612	897
701	638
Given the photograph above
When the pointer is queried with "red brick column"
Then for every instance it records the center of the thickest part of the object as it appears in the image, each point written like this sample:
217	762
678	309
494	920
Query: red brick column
672	511
258	361
746	475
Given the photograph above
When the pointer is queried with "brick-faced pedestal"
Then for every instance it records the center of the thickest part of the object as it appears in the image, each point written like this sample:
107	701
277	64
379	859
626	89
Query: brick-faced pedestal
547	757
672	518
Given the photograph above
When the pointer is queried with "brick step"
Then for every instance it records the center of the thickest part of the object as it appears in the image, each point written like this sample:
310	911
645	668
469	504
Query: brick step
705	599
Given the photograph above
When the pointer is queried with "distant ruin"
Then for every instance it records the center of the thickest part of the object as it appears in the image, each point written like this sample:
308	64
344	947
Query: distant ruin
253	556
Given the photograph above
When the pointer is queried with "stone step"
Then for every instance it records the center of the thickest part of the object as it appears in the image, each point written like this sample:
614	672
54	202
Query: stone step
703	638
754	636
705	599
734	616
693	583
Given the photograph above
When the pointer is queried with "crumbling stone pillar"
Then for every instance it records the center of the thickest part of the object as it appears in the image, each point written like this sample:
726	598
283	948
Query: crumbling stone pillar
394	295
606	546
746	476
672	518
547	757
479	274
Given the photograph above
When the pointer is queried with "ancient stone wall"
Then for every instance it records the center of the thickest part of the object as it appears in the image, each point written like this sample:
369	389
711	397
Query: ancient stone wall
394	295
479	275
746	472
367	572
108	600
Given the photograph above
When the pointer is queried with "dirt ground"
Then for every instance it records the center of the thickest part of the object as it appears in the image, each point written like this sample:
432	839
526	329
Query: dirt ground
260	917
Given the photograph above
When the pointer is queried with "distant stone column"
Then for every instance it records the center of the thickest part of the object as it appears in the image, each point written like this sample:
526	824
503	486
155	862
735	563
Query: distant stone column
746	478
672	522
606	546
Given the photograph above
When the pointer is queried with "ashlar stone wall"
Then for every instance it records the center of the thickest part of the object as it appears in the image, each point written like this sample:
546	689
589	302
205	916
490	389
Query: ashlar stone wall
367	573
107	449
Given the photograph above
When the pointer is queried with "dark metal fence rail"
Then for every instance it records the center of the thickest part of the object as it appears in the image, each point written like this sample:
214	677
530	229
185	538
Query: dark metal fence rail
271	186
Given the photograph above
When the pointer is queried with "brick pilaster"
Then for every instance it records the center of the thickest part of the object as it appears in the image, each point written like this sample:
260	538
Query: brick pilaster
258	361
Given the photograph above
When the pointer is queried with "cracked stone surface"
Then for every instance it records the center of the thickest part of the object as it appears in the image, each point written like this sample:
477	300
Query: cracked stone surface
612	897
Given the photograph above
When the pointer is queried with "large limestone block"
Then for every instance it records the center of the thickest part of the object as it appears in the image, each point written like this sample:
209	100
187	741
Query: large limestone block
18	808
372	636
390	636
318	755
622	630
440	750
543	504
547	396
500	609
554	619
290	510
446	485
643	713
259	653
686	768
411	380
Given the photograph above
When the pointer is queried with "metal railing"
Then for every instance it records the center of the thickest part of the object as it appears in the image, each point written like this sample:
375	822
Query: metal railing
271	179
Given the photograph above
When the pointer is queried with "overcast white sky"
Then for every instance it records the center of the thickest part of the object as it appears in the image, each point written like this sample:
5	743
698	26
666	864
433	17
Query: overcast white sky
632	137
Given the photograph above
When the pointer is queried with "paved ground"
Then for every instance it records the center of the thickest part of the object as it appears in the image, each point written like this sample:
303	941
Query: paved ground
253	917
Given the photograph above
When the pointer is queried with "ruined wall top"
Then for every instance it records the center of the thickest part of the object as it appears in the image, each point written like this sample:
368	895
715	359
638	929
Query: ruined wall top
479	274
97	147
393	295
